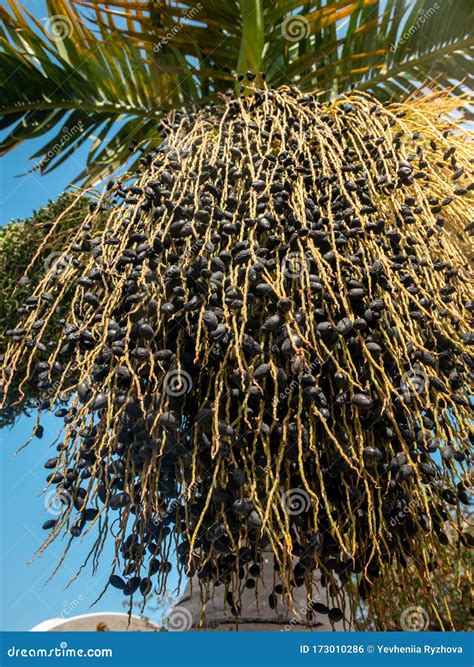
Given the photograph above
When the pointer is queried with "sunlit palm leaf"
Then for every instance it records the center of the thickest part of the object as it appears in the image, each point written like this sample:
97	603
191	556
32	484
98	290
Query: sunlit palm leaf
388	47
130	60
80	83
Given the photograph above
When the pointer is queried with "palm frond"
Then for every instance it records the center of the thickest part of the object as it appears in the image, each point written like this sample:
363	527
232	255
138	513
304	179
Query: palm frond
112	69
389	48
60	77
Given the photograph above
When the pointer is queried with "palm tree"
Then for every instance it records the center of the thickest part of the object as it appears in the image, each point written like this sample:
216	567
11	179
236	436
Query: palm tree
135	75
146	58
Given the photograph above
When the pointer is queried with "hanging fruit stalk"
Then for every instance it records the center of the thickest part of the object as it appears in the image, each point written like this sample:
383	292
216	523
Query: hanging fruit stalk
266	347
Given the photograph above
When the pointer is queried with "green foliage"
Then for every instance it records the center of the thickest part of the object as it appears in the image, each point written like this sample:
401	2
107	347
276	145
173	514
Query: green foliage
445	594
19	242
83	82
117	79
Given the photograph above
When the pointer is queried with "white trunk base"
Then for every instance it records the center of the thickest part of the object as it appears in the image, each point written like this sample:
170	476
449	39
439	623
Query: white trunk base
256	615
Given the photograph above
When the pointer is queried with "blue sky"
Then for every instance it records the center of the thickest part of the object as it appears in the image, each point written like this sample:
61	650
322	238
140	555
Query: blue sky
26	598
21	193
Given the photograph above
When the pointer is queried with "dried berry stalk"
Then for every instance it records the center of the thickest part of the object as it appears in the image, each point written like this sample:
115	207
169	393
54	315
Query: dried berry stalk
266	347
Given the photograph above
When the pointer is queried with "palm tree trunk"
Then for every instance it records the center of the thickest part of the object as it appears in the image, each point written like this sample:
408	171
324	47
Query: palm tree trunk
256	614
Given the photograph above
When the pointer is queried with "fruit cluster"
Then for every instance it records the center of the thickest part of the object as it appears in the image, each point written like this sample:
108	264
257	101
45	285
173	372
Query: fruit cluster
266	347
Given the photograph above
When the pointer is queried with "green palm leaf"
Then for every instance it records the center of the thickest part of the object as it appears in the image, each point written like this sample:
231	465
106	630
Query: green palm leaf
121	64
75	86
